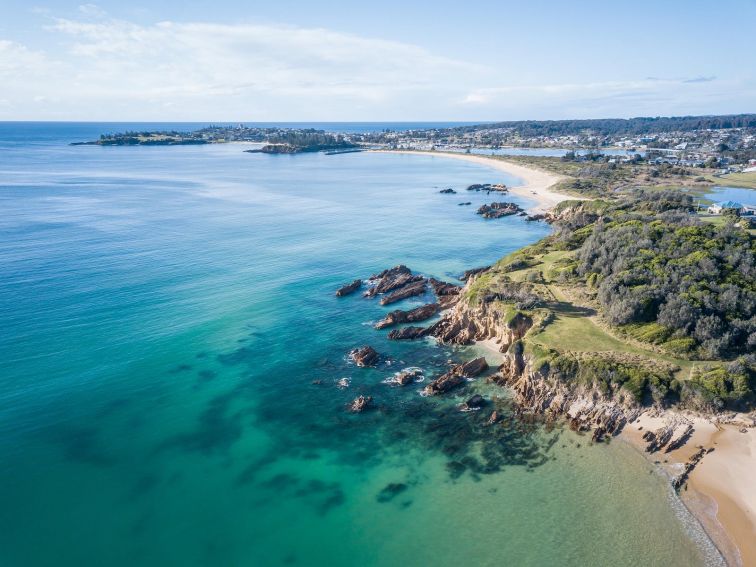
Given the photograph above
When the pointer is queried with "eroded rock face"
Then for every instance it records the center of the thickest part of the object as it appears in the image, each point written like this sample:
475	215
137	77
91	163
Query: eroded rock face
360	404
417	314
391	279
456	376
406	333
364	356
466	324
417	287
443	288
551	398
498	210
348	288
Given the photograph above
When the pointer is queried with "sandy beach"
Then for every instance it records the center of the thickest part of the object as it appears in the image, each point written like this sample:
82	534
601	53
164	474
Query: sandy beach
536	184
721	490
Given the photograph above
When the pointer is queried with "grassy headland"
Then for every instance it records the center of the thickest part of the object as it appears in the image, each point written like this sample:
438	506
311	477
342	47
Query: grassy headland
633	293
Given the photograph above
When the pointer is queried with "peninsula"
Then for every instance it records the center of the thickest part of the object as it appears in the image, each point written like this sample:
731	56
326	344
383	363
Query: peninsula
634	318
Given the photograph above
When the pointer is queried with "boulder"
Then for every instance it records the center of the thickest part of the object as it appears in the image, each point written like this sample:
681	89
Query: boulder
360	403
474	403
364	356
493	418
448	191
417	287
418	314
464	204
348	288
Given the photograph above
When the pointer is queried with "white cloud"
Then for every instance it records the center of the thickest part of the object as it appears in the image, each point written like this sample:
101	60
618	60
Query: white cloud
234	71
106	69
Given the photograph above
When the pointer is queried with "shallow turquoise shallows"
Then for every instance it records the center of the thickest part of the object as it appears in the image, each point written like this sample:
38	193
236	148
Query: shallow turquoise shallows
164	314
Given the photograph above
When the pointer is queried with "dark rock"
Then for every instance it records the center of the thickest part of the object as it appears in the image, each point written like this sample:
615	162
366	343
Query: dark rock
498	210
464	204
442	288
456	376
476	402
391	279
391	491
364	356
448	191
417	287
467	274
537	217
360	404
418	314
692	463
348	288
479	187
406	333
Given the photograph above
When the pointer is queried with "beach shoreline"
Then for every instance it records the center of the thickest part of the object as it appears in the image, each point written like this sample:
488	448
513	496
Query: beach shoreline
536	184
721	489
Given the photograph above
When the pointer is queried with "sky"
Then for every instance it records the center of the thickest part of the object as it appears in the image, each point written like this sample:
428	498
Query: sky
279	60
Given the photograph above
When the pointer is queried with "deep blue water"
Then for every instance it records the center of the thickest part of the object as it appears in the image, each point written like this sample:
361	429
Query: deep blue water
165	312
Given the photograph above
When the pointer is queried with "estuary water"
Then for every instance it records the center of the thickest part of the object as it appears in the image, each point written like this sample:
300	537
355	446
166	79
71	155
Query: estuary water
169	357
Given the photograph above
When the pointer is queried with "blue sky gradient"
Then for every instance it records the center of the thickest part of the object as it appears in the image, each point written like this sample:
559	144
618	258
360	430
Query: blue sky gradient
234	60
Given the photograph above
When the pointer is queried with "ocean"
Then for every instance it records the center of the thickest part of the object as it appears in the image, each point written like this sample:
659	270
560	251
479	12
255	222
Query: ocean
171	348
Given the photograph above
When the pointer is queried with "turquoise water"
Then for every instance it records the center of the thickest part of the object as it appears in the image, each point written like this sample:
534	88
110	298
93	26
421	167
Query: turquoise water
165	312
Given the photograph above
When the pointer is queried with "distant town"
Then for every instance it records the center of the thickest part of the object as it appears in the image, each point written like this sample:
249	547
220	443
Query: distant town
725	143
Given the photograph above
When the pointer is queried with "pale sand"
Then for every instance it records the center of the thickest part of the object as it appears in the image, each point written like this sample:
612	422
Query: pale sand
536	183
721	490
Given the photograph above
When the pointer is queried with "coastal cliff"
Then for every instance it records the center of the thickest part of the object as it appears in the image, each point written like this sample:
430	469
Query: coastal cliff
538	388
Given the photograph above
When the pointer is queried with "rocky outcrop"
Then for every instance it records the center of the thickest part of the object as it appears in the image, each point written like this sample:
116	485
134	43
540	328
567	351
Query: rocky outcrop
467	274
417	287
391	279
456	376
550	398
443	288
360	404
672	435
679	481
448	191
466	324
364	356
407	333
348	288
413	315
407	377
498	210
488	187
